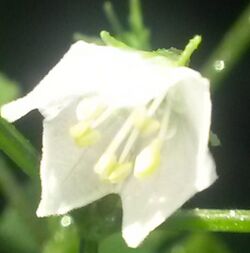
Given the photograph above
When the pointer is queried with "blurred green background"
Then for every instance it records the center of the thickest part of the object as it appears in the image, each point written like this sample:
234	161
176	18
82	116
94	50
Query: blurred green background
35	34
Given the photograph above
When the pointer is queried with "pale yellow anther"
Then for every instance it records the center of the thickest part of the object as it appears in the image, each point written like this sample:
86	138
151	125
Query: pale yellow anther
110	170
105	165
89	139
120	173
84	135
144	123
150	126
79	129
148	160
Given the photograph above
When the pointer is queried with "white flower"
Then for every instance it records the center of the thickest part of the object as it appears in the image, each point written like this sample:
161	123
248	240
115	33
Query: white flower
119	122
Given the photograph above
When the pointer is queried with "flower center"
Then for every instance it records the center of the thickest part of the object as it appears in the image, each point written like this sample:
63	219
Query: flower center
146	124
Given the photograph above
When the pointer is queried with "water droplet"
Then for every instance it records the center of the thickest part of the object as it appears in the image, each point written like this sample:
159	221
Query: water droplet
219	65
66	221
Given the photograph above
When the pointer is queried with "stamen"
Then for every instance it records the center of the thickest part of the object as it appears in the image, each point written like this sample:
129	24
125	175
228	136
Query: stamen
105	165
105	115
144	123
148	160
89	109
79	129
120	136
165	122
155	104
84	132
108	161
84	135
121	172
91	138
129	144
115	170
109	169
143	119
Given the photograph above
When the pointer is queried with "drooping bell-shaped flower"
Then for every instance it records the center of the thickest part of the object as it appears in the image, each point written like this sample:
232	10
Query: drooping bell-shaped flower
119	121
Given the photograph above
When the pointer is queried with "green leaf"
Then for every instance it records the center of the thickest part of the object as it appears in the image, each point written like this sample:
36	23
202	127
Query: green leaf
16	197
99	219
19	149
138	36
65	237
197	243
115	243
112	41
112	17
14	234
8	89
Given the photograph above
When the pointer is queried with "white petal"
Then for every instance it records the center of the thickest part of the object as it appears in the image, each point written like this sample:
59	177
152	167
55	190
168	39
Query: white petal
118	75
65	80
186	166
67	174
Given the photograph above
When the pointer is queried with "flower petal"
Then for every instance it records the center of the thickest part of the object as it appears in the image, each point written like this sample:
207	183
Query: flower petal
65	80
67	174
186	166
118	75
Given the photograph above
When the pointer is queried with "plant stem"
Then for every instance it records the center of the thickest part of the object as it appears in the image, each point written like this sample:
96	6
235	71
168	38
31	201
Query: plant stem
112	17
229	51
237	221
17	198
90	247
135	16
14	144
138	30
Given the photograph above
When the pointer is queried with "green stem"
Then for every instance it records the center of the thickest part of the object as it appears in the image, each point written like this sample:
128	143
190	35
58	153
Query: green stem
237	221
135	16
229	51
17	198
192	45
112	18
139	35
90	247
14	144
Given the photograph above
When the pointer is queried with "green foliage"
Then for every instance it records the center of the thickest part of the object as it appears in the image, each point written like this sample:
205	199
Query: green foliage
12	142
116	244
137	36
15	236
197	243
19	149
8	89
111	41
63	238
